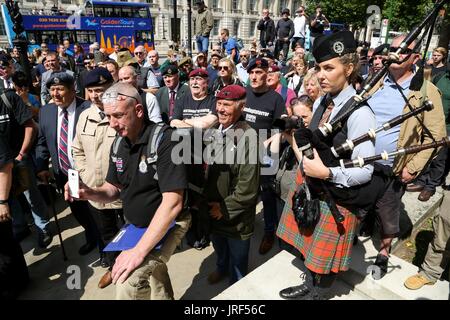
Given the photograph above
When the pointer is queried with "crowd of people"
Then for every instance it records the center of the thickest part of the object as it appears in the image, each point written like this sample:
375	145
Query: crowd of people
112	117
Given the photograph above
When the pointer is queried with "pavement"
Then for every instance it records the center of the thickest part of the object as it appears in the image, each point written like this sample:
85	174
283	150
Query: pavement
53	278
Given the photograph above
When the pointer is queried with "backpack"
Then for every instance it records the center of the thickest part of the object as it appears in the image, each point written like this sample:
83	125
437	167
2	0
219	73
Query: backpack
155	136
239	43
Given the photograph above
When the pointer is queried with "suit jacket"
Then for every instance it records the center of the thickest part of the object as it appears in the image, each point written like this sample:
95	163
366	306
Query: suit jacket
162	95
47	145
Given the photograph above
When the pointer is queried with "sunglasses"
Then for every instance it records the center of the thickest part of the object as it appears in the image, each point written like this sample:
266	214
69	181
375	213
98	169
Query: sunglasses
117	96
139	53
406	51
226	68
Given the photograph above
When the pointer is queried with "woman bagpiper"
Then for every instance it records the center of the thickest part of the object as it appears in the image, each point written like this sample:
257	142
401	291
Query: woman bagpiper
326	247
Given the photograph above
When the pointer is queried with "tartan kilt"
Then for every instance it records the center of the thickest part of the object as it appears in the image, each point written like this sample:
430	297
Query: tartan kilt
326	248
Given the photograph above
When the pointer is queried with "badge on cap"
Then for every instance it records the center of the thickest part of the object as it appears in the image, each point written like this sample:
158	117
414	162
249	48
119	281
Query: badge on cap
102	79
169	71
338	47
143	165
56	80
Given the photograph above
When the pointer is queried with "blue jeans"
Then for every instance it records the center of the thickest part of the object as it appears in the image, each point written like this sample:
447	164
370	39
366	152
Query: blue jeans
202	43
37	204
232	256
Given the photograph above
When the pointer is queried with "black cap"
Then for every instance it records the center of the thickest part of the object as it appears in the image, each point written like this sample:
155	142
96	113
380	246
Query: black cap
382	50
169	69
333	46
257	63
267	54
60	78
97	77
5	59
285	10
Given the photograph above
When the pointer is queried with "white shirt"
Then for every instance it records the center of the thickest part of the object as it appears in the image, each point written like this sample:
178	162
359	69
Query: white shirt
154	112
242	73
71	126
300	27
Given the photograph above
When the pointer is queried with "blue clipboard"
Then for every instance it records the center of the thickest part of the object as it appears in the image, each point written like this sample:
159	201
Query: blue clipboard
129	235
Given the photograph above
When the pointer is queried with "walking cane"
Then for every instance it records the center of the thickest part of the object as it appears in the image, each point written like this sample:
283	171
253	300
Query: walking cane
58	229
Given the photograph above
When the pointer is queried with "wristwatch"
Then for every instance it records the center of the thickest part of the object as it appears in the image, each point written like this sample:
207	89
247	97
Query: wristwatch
3	201
330	175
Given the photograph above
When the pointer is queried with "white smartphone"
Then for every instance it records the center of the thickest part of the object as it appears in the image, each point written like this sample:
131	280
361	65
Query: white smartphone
74	183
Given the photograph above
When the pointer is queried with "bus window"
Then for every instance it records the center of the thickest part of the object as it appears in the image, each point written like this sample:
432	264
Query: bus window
108	12
68	35
99	11
117	12
142	13
86	36
127	13
50	37
33	36
143	36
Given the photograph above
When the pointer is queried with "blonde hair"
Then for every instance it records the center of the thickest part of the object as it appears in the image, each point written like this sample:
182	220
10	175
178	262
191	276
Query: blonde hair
442	51
351	58
231	65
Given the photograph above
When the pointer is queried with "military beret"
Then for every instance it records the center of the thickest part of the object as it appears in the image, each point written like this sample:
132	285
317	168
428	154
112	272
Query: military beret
4	59
273	68
199	72
232	92
97	77
267	54
382	50
169	69
60	78
257	63
333	46
184	61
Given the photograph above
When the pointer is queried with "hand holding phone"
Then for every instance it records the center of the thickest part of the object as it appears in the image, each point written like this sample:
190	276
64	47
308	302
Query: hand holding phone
74	183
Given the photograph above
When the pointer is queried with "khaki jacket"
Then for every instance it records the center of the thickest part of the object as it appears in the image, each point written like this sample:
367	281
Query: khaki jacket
91	149
412	133
203	23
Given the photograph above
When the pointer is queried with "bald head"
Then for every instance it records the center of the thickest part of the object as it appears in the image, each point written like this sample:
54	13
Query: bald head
128	75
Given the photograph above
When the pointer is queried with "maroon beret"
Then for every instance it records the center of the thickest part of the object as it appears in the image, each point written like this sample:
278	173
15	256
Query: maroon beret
232	92
199	72
273	68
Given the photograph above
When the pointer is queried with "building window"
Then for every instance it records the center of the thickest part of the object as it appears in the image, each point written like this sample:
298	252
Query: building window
296	4
215	4
236	24
266	4
283	4
252	29
235	5
216	25
66	1
35	1
251	6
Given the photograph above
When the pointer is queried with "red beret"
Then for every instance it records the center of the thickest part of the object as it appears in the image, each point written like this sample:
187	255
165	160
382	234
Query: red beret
273	68
232	92
198	72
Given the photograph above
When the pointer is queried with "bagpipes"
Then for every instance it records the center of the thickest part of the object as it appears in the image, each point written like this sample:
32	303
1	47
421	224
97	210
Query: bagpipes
362	197
360	162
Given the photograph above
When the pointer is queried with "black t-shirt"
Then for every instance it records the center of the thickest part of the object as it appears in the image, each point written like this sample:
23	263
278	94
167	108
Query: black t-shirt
187	107
319	27
263	108
11	126
140	192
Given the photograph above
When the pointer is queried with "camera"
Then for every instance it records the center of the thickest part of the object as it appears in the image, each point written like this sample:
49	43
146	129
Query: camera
289	123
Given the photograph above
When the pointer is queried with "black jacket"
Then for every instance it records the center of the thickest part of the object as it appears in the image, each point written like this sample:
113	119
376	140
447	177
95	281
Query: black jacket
267	28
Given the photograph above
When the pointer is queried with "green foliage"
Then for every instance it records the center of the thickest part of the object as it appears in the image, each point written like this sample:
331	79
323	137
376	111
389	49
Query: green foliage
403	14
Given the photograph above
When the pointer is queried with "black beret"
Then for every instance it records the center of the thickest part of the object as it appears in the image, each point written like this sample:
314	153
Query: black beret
97	77
169	69
60	78
232	92
257	63
382	50
333	46
267	54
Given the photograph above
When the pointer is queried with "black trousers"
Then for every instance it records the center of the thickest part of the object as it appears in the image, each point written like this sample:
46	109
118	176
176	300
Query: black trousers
80	211
109	222
437	171
13	268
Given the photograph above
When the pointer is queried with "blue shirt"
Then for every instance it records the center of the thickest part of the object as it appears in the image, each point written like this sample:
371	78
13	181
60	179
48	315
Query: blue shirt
229	45
358	123
388	103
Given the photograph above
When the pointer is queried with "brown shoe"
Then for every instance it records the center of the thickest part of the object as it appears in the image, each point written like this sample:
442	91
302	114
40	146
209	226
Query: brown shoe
266	243
425	195
411	187
417	281
216	277
106	280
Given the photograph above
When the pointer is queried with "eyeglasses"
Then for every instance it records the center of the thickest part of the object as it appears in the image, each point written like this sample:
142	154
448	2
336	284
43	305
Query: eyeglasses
244	56
139	52
226	68
117	96
406	51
